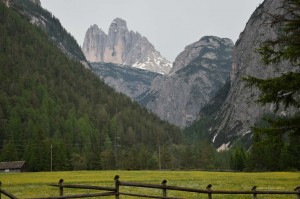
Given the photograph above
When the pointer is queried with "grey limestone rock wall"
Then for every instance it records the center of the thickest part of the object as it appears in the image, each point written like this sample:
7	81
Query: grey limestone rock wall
198	72
240	110
123	47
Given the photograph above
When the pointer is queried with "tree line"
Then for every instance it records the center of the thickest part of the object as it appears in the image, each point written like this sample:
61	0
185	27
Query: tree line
51	104
51	107
49	99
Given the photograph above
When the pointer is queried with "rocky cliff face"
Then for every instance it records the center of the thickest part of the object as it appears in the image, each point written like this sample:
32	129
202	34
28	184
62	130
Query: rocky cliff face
124	47
198	72
240	110
130	81
37	2
8	3
94	44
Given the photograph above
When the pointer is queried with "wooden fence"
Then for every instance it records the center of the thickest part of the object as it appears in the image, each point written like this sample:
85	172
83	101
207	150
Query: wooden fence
115	191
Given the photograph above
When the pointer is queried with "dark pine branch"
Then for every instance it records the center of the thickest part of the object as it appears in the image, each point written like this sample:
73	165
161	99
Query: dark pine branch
277	90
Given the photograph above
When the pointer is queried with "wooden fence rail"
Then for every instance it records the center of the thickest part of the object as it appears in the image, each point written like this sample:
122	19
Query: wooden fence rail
207	191
115	191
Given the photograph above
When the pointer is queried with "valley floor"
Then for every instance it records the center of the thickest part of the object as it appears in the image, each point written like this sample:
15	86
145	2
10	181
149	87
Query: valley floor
25	185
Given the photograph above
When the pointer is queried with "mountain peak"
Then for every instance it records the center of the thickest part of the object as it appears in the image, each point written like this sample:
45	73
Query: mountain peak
95	29
205	48
118	23
95	26
123	47
197	74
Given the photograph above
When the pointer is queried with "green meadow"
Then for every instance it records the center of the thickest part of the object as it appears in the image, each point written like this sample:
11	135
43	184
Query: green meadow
33	185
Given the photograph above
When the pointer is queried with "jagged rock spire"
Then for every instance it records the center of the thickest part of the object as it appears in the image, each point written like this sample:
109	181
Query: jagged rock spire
123	47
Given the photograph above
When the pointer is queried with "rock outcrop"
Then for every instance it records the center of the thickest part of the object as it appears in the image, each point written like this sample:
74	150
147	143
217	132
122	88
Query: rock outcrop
37	2
240	109
123	47
198	72
7	2
130	81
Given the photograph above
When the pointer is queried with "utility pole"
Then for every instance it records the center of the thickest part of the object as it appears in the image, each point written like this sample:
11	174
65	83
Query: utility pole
159	163
51	158
116	151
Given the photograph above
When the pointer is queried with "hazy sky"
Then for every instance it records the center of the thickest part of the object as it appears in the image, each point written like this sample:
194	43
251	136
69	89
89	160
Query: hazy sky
169	25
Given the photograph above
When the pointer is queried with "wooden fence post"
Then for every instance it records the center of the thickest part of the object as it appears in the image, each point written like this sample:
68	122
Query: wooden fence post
61	188
164	183
209	189
117	186
298	189
254	192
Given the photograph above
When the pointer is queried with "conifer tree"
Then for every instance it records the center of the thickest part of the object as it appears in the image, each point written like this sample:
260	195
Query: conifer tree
282	91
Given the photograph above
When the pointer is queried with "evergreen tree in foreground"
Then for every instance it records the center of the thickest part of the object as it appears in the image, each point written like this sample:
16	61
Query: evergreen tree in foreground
278	139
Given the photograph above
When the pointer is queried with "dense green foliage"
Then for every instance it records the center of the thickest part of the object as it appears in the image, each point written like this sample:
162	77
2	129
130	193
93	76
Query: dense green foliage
49	99
198	136
274	147
276	141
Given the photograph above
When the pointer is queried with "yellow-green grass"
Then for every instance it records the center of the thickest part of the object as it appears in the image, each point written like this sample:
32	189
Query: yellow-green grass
29	185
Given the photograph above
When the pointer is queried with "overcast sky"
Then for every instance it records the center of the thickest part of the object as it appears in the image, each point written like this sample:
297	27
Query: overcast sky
169	25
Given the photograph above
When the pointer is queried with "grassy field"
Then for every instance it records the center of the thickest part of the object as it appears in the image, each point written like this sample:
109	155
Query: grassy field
30	185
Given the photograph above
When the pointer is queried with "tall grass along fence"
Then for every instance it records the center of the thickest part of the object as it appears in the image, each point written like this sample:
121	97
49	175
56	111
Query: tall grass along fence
115	191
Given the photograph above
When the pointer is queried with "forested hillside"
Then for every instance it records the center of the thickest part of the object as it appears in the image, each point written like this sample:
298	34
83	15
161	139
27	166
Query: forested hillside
49	102
51	25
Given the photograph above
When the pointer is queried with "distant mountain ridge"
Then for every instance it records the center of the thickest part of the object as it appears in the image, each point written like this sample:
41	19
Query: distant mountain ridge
123	47
197	74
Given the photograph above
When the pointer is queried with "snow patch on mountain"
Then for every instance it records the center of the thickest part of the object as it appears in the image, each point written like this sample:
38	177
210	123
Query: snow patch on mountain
123	47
